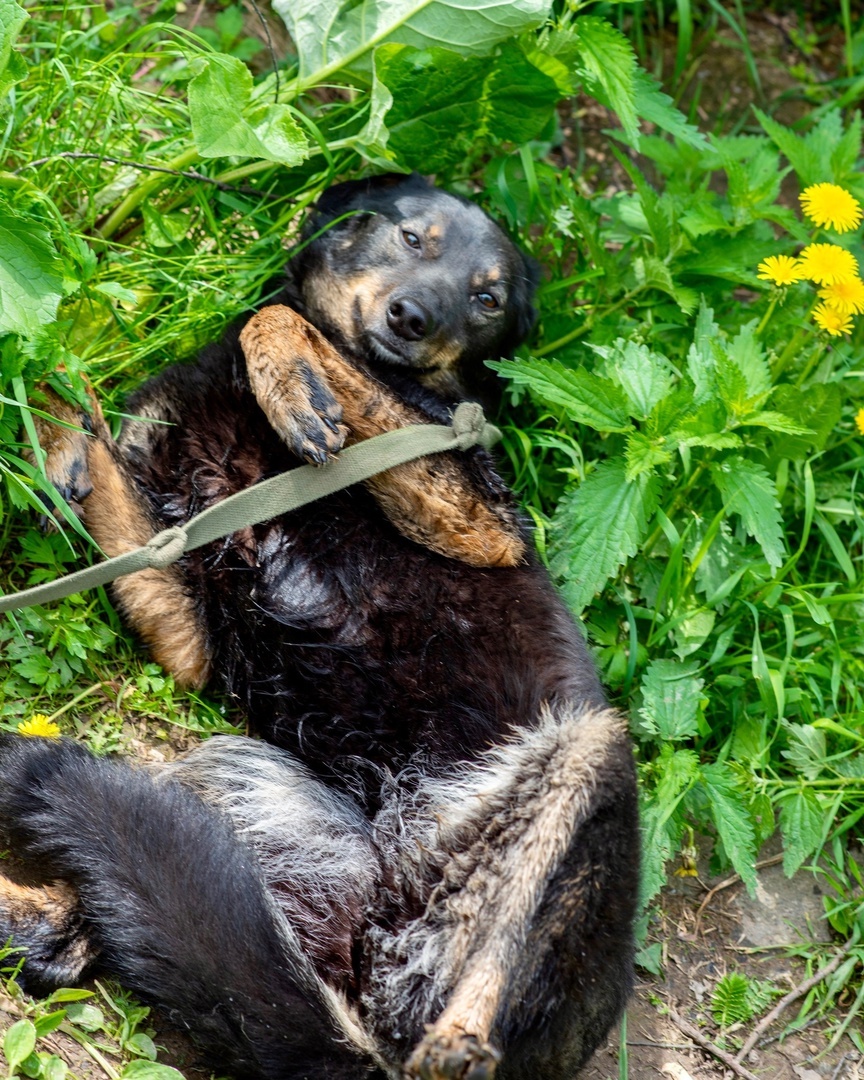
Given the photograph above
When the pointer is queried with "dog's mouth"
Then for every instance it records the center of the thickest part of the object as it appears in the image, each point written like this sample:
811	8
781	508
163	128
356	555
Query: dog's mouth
383	352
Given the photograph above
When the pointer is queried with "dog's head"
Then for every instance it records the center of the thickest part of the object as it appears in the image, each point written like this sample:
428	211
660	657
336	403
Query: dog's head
411	278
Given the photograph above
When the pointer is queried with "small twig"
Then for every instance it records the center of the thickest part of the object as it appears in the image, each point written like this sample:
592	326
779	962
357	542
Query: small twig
793	995
733	880
692	1032
835	1075
266	30
187	174
660	1045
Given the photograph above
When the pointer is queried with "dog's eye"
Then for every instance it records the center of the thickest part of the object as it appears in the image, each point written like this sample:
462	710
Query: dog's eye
487	300
411	239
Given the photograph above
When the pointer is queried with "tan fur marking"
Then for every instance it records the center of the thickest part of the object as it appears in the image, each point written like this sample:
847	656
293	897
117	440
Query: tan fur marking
429	500
492	910
154	601
24	904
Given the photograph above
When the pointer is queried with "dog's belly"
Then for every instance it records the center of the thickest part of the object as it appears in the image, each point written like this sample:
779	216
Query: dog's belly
339	638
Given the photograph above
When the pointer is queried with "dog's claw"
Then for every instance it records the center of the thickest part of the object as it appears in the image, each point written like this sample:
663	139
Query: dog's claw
457	1057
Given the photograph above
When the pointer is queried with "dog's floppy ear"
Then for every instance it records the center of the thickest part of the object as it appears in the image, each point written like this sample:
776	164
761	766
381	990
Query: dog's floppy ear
350	194
524	314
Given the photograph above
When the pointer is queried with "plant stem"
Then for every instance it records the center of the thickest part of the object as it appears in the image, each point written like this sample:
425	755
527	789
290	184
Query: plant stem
141	191
586	326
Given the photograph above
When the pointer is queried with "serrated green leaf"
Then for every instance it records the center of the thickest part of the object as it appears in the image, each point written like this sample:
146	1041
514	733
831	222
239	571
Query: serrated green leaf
818	408
644	376
225	122
807	750
825	153
31	276
774	421
643	454
731	820
660	820
19	1041
658	108
588	399
609	63
748	490
802	821
12	66
746	352
439	101
671	693
332	36
597	527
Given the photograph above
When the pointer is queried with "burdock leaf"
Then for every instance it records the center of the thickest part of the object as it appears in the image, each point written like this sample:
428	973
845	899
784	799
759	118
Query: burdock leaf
331	35
31	275
226	123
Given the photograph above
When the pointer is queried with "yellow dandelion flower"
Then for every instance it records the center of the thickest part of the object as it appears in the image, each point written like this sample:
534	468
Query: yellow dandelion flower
781	269
831	206
859	421
832	320
827	264
847	297
40	725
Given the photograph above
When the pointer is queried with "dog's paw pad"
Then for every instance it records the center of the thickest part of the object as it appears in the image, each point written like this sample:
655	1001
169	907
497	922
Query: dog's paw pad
453	1057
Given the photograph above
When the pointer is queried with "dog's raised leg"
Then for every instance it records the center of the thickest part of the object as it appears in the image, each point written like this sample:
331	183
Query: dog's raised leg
314	398
524	944
88	469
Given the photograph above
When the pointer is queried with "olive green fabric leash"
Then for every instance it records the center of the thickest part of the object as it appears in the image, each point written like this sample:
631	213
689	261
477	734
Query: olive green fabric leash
288	491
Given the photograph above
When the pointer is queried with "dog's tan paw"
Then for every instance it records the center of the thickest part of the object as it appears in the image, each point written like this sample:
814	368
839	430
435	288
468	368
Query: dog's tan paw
452	1057
309	417
65	449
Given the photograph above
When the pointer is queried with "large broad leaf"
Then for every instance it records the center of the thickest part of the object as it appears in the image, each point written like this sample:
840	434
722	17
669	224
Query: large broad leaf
31	275
436	101
748	490
226	123
588	399
330	35
597	527
12	66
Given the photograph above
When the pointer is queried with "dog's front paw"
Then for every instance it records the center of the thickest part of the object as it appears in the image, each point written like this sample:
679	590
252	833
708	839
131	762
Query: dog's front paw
65	447
452	1057
308	417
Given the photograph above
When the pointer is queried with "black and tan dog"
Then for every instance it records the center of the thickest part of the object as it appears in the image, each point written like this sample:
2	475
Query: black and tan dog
430	867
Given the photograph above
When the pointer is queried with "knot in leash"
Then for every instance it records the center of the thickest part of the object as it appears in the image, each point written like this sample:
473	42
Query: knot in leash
166	547
471	427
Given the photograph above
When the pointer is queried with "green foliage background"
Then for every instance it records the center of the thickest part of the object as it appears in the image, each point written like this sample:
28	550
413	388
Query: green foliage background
681	434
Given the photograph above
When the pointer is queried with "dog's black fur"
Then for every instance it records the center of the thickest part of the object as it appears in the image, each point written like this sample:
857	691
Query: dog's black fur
444	832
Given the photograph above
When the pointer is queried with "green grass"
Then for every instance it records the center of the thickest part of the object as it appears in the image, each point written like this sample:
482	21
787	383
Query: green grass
667	390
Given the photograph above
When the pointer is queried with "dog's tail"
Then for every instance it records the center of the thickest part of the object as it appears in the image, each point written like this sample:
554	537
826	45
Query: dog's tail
524	869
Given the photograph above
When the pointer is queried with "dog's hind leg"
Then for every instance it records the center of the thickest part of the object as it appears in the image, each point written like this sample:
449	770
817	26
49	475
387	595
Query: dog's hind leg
87	468
177	909
46	922
528	861
306	388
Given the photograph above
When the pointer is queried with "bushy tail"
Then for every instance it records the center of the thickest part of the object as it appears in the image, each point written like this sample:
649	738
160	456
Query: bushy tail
176	907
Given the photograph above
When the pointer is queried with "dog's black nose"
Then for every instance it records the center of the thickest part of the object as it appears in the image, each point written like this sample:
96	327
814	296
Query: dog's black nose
409	319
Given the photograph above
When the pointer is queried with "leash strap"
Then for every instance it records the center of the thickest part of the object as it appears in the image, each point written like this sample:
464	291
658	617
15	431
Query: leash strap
278	495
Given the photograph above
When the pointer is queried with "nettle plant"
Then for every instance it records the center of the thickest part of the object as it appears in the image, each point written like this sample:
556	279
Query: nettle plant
694	480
